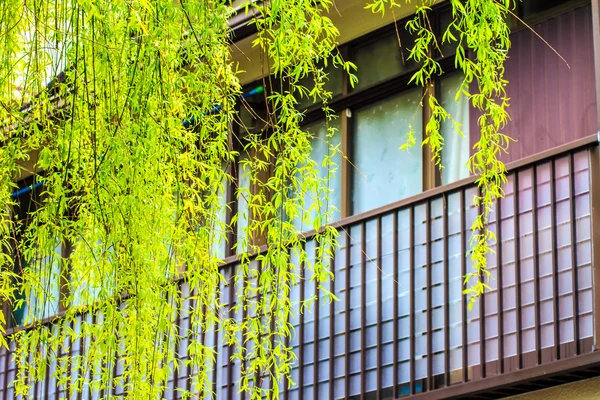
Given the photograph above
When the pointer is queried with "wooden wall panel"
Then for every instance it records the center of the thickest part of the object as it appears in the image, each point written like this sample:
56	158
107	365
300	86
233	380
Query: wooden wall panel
551	103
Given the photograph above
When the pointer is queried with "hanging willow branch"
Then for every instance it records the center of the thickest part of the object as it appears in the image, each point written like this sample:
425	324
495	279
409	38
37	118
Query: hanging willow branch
481	38
135	196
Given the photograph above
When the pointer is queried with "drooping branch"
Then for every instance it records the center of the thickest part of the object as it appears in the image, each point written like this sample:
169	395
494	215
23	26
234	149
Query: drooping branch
480	34
136	195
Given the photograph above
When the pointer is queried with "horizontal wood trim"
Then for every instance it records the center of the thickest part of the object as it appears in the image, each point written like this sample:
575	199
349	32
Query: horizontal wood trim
520	377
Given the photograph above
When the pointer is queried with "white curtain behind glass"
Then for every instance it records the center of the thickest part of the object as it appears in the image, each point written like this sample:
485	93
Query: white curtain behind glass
455	152
383	173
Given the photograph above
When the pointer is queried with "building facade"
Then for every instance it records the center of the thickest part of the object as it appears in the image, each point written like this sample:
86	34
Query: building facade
401	327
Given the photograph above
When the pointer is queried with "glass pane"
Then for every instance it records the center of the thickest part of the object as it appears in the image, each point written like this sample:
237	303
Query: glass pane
42	269
253	110
455	152
382	59
44	297
447	48
333	84
383	173
323	146
531	7
220	226
88	286
242	205
48	271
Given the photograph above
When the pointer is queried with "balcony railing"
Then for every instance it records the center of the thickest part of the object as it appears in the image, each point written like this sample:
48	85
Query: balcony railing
402	326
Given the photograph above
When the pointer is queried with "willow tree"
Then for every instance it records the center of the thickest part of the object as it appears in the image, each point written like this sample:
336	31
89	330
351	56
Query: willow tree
135	194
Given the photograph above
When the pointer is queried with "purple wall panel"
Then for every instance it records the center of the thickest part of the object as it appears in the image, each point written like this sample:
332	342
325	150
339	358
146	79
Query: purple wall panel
550	103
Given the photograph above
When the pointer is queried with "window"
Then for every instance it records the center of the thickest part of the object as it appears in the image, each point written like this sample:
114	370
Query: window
533	8
333	84
533	12
88	287
219	249
382	58
42	268
326	200
455	152
373	118
243	190
383	173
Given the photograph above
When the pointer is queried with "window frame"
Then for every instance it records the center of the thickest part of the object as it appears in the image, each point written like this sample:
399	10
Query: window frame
344	105
34	198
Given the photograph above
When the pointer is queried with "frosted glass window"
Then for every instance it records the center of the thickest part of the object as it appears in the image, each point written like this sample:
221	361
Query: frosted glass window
322	146
42	269
382	59
88	286
383	173
243	190
455	152
49	272
47	277
220	226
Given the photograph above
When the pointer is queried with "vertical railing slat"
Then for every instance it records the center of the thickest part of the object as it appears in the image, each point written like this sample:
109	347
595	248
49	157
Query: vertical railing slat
216	348
316	340
500	286
481	301
555	301
203	336
412	299
395	305
230	348
347	321
176	345
300	383
331	329
379	305
446	292
574	277
48	371
536	267
363	306
428	307
518	269
245	306
463	272
7	358
286	341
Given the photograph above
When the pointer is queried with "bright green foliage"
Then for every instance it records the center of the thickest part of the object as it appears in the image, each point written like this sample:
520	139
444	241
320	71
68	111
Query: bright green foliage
137	195
481	36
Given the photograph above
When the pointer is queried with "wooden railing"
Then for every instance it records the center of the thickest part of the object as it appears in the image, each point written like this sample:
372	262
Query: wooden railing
402	325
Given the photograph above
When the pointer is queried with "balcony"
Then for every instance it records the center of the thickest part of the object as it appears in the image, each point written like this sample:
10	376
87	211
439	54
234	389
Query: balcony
402	326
